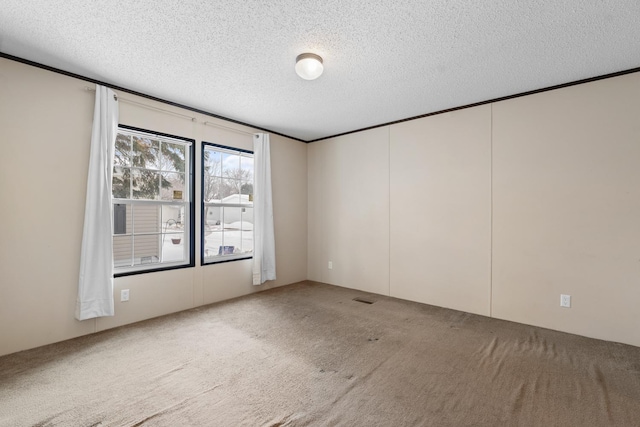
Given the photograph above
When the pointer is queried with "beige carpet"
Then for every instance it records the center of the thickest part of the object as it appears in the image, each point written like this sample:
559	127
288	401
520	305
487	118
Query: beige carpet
308	354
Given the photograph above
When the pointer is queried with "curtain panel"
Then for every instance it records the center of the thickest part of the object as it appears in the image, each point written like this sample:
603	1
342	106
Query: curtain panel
264	247
95	285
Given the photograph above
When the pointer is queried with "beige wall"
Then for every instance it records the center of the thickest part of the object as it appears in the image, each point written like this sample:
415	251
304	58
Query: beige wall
45	130
566	209
441	210
495	210
405	210
349	211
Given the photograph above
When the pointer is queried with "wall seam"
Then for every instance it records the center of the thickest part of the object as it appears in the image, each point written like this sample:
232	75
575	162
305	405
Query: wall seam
389	207
491	215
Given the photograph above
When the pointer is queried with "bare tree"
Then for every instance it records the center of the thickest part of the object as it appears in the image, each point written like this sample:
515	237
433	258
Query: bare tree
212	170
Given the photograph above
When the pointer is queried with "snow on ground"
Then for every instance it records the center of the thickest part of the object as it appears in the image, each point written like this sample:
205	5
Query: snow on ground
230	235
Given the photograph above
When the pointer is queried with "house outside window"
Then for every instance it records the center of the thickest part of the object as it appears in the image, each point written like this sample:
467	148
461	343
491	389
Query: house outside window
152	201
227	203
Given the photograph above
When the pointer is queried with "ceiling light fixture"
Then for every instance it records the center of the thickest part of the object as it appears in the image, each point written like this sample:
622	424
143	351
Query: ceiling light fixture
309	66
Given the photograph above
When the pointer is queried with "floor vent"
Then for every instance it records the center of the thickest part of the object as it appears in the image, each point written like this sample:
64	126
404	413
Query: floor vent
362	300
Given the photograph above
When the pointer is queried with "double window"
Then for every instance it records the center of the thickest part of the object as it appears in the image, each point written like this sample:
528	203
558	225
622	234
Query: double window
152	201
227	203
153	216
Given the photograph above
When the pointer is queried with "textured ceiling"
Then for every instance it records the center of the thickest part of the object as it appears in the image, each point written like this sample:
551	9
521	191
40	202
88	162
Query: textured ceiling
384	60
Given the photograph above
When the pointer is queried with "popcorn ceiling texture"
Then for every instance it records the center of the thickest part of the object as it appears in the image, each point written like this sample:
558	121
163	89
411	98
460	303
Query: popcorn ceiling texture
384	60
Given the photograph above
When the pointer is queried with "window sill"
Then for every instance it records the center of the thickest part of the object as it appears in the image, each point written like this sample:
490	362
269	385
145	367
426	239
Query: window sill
223	259
131	271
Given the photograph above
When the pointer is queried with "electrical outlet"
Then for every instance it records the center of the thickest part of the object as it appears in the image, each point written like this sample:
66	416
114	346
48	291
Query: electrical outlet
124	295
330	267
565	301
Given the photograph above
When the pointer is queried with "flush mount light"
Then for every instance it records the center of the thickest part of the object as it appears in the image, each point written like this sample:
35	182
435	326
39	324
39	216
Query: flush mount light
309	66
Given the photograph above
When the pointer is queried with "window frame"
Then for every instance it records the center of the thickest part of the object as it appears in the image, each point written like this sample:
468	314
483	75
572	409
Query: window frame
211	260
189	231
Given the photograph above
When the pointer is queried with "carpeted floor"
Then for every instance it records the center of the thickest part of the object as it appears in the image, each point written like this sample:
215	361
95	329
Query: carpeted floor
308	354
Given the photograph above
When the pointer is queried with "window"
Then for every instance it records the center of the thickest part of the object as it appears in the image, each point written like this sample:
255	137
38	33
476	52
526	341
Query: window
227	203
152	201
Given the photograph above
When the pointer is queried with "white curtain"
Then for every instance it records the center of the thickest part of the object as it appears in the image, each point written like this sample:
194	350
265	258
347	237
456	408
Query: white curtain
264	246
95	287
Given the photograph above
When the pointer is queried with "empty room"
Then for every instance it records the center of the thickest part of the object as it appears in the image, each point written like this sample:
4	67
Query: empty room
356	213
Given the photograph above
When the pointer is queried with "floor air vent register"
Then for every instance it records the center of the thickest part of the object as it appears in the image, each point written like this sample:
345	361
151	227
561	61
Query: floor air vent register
364	301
